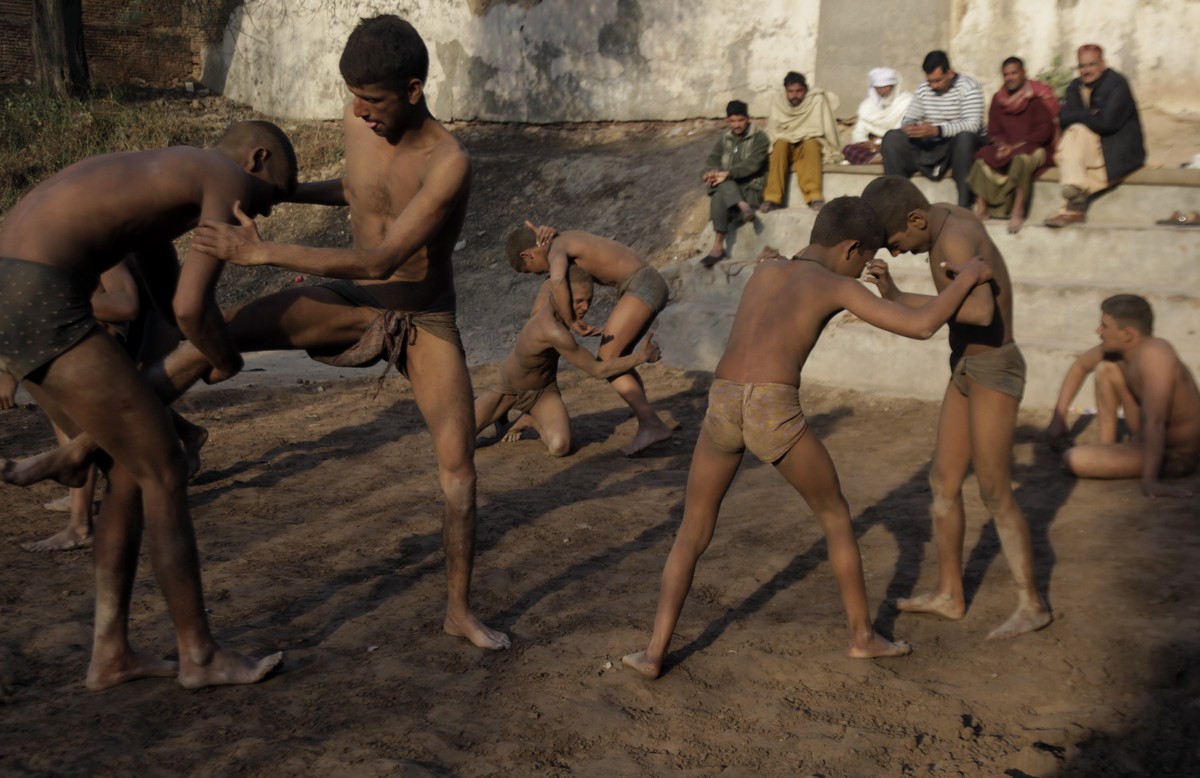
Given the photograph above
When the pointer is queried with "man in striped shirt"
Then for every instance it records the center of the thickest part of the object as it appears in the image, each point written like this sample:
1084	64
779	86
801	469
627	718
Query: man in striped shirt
942	128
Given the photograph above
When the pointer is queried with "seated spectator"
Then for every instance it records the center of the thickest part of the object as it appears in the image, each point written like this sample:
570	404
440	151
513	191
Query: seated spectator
735	172
881	110
1021	134
804	136
940	129
1101	139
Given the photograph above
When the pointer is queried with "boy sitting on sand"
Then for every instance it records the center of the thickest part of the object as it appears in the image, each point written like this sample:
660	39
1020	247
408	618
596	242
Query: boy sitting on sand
1143	375
528	380
642	291
754	403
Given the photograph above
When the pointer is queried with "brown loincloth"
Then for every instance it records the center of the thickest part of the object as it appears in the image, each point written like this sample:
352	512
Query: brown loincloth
525	399
1001	368
647	285
764	418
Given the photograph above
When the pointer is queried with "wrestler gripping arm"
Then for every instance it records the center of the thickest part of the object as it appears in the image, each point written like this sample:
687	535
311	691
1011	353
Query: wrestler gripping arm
577	355
916	321
977	309
117	298
329	192
421	220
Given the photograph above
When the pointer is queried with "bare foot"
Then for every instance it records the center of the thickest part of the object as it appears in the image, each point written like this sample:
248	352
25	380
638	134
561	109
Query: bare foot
981	210
938	604
643	664
647	436
1015	223
513	433
1026	618
63	540
194	437
878	647
59	504
226	668
128	667
474	630
61	464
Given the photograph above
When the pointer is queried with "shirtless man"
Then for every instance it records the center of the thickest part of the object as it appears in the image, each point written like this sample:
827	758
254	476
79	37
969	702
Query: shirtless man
407	182
979	410
53	245
754	403
1143	375
642	294
528	379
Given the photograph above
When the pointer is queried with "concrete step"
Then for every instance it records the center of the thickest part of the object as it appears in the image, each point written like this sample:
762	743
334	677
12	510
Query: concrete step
1143	198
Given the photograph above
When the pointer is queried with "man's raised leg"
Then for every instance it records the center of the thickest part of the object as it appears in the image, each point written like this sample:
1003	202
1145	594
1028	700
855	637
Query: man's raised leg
993	420
951	457
628	322
442	390
810	471
711	473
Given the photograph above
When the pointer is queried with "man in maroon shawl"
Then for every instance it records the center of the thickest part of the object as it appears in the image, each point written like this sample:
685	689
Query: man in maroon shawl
1022	129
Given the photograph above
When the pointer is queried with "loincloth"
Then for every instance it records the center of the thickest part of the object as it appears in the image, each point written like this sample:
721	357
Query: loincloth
525	399
44	311
647	285
1178	464
1001	369
764	418
391	333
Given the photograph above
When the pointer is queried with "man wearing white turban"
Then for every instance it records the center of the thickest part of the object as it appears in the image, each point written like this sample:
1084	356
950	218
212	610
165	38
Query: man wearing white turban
881	110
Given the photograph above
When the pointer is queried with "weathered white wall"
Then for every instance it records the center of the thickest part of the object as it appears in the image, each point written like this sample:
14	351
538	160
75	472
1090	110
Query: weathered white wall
530	61
596	60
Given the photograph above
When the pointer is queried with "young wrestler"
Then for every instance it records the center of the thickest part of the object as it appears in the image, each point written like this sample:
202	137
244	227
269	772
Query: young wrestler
53	245
642	294
754	404
528	379
1143	375
979	410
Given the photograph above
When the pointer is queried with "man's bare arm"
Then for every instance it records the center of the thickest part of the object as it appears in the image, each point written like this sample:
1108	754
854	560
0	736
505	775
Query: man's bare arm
877	273
1157	366
1081	368
412	231
117	298
919	323
329	192
954	251
583	359
560	288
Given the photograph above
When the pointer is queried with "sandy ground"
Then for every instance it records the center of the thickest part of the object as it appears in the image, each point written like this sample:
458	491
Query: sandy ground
318	521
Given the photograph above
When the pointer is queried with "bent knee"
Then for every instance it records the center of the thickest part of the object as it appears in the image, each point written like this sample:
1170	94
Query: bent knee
558	446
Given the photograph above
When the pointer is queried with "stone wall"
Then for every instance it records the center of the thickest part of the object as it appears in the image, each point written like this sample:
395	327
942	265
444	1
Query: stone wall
597	60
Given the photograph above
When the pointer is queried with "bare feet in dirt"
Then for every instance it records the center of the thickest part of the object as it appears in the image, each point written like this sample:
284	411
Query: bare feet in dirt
1026	618
878	647
226	668
643	664
63	540
647	436
513	433
60	464
938	604
1015	223
474	630
128	667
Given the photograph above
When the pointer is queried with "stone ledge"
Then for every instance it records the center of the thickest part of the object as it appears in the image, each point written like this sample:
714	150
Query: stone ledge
1143	177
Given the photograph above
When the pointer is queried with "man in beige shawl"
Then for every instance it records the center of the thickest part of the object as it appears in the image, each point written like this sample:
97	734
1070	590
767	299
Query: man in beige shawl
803	136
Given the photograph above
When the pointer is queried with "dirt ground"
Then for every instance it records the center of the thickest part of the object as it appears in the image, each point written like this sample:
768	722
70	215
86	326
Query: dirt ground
318	519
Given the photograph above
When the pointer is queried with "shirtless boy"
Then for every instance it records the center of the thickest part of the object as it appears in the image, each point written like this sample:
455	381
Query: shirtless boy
53	245
1143	375
642	294
979	411
754	404
407	181
528	380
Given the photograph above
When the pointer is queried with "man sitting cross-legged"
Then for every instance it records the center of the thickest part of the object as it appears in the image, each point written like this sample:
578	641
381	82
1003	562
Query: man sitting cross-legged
754	404
1142	375
642	290
54	244
528	380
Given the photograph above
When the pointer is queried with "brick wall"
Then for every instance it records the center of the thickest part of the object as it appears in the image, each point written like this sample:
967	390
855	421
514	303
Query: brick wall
147	40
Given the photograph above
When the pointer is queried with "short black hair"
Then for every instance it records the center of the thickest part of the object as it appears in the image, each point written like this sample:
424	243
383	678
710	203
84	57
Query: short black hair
795	78
1130	310
253	133
1013	61
520	239
893	198
934	60
736	108
848	218
384	50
